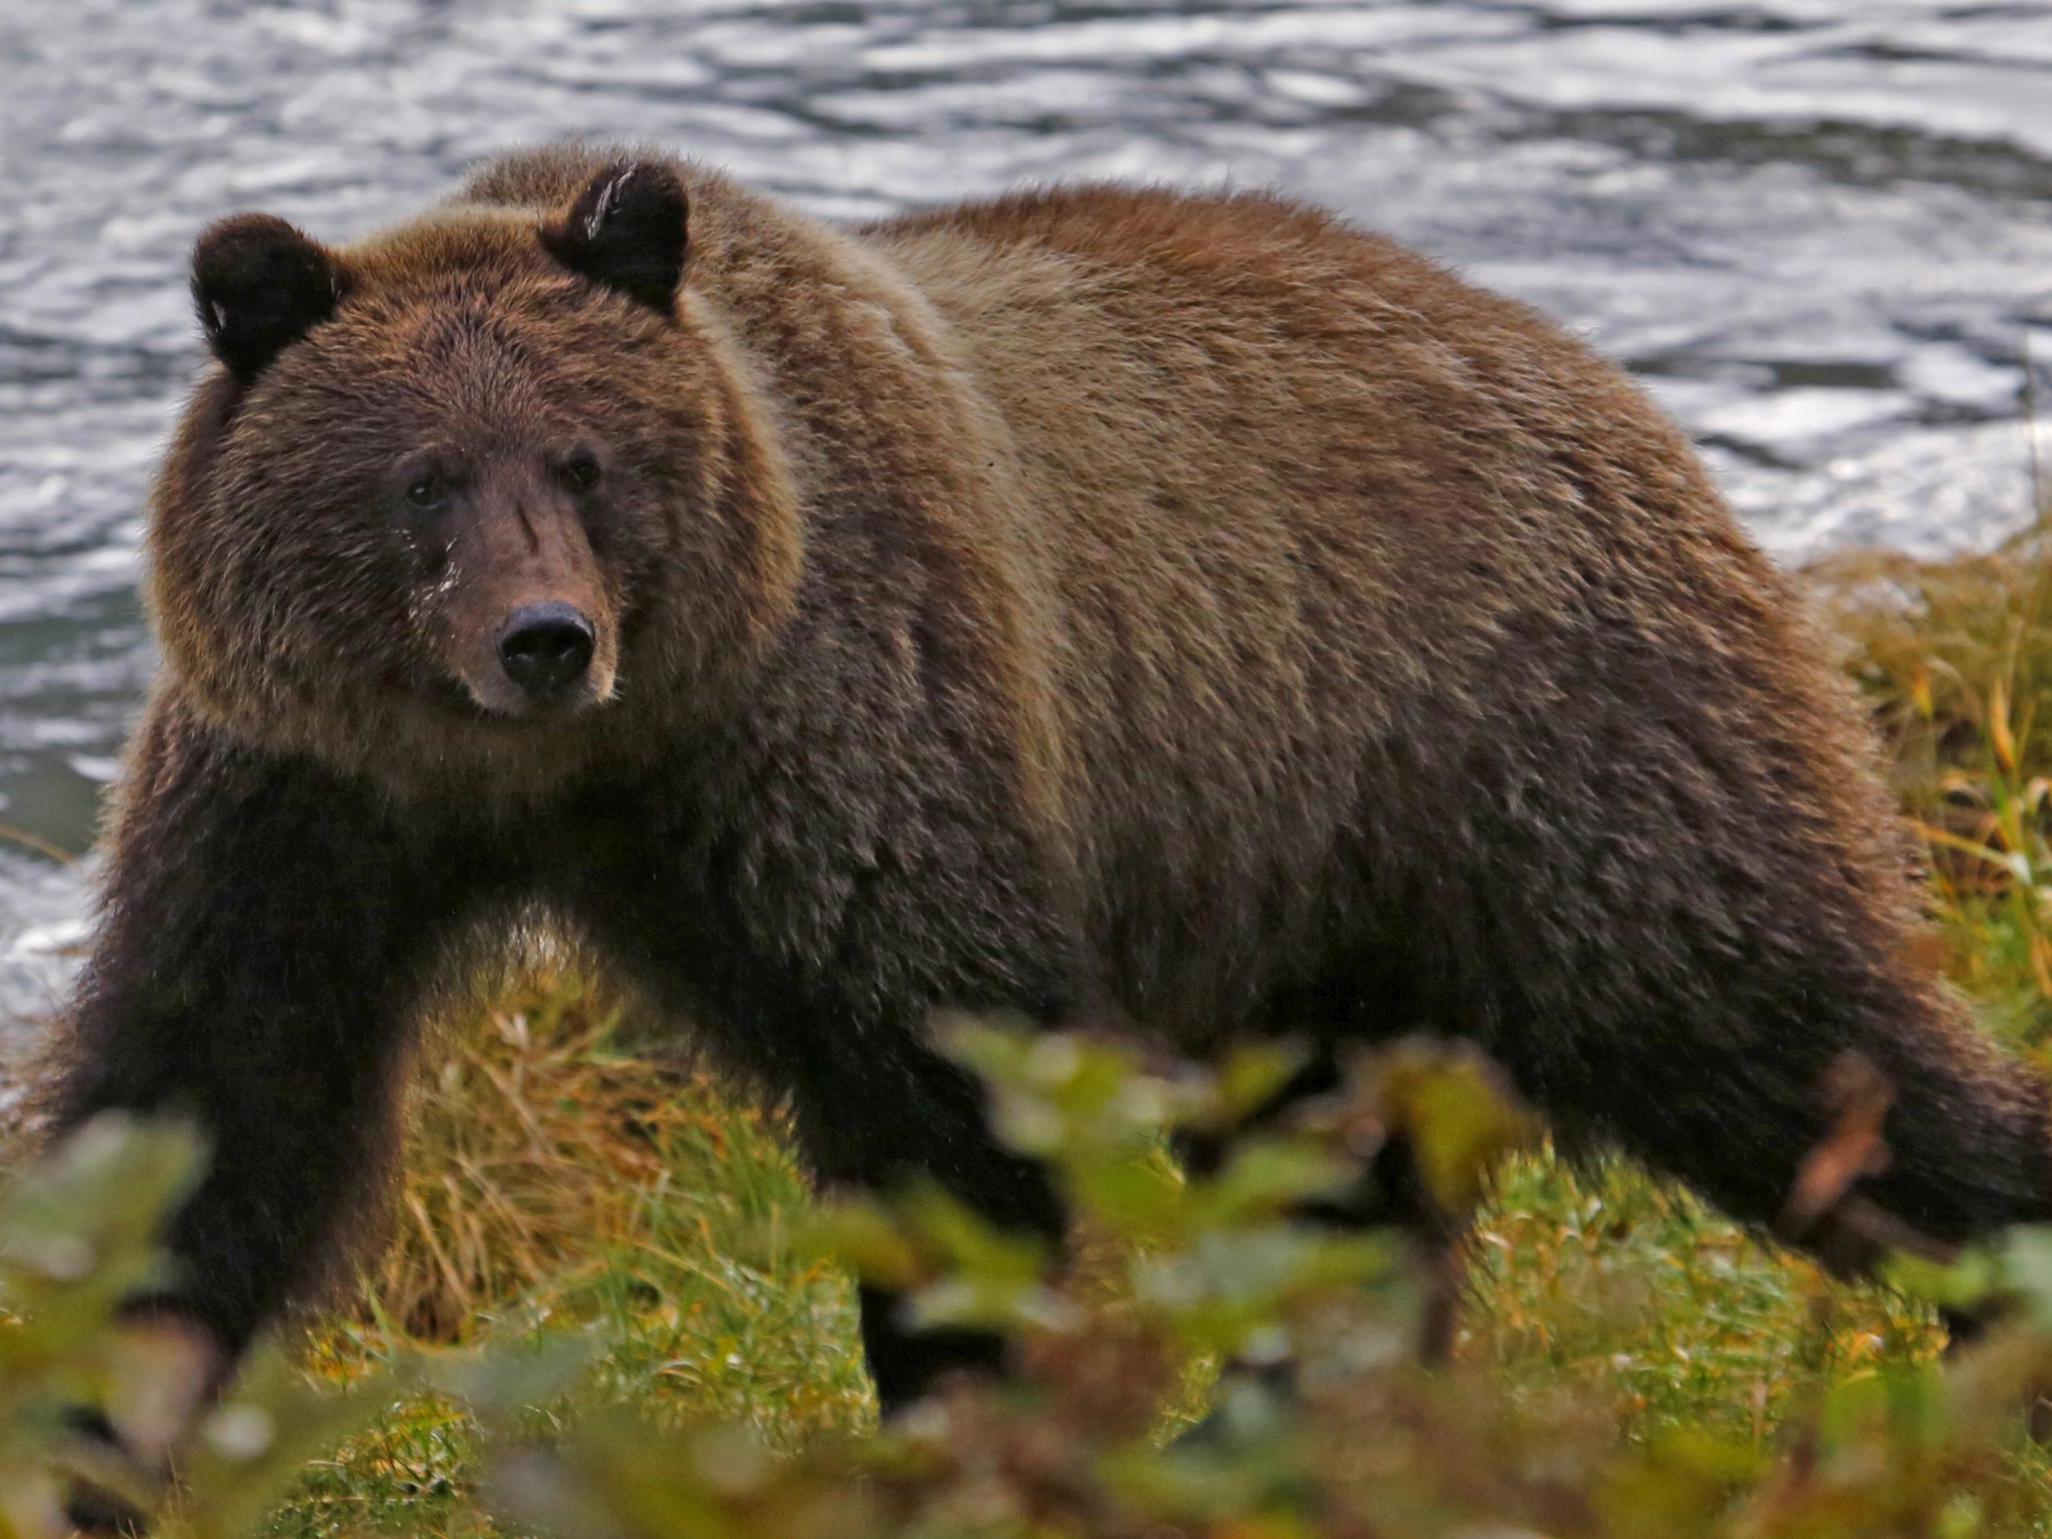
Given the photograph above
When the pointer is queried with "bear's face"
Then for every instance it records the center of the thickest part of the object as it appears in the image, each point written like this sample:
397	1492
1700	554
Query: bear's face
444	482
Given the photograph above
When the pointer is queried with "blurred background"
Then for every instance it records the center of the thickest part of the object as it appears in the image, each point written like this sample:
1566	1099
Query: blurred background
1820	230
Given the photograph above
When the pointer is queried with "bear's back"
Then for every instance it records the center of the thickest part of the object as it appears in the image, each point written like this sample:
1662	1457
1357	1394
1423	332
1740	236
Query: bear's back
1316	507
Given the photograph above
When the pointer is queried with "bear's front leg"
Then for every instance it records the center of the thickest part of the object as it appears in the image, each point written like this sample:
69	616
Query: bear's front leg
266	932
819	977
919	1117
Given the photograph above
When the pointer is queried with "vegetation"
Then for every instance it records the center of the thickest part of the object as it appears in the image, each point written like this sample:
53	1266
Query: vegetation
607	1306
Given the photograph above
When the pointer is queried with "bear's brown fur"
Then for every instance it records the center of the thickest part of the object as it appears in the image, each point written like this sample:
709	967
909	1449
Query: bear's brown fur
1096	601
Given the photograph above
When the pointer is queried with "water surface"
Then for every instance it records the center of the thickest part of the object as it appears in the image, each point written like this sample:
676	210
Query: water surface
1820	229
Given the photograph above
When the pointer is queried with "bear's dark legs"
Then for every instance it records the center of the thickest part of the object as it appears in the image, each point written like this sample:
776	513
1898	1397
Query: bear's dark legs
905	1359
1727	1055
874	1106
1696	958
1964	1147
922	1119
906	1362
876	1110
1390	1193
265	933
1204	1153
1668	895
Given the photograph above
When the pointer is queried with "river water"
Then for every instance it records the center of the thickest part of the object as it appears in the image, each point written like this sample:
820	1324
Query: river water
1821	230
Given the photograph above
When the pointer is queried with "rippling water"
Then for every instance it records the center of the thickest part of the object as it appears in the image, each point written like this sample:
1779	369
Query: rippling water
1820	229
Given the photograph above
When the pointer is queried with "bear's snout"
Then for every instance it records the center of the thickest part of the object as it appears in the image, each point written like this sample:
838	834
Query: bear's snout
546	648
522	615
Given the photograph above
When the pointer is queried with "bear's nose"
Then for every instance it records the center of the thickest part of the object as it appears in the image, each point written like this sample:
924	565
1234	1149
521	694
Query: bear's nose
545	648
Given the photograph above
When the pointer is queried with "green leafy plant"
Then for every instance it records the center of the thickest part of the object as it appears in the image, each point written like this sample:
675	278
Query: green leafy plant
1086	1441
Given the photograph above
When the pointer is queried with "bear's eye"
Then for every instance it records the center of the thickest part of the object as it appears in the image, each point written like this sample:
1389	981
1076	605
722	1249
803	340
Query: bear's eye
426	491
580	471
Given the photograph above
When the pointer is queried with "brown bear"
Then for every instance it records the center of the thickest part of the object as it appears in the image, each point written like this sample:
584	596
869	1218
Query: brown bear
1095	602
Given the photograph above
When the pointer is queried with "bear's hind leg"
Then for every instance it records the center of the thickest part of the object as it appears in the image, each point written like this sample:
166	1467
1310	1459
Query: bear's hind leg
1675	906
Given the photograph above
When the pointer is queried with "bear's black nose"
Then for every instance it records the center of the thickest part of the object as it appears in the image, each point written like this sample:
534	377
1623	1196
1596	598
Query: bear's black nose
545	648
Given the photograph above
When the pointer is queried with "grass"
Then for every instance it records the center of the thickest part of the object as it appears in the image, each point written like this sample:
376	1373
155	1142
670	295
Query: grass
558	1179
1956	657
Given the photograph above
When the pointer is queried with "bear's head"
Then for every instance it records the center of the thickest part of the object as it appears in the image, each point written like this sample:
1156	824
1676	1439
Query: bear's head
462	499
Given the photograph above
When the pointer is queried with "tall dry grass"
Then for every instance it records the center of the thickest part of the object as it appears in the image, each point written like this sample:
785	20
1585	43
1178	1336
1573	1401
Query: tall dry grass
533	1147
1955	657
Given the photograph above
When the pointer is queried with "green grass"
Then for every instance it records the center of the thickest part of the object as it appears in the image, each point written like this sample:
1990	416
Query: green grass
558	1181
1610	1278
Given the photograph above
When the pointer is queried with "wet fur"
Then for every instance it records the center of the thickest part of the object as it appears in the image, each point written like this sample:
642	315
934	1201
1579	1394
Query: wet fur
1098	602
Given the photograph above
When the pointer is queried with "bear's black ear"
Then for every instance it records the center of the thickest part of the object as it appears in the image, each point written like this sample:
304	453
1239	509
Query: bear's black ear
260	286
626	230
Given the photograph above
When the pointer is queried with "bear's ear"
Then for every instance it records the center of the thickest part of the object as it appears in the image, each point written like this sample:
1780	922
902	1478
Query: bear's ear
626	231
260	286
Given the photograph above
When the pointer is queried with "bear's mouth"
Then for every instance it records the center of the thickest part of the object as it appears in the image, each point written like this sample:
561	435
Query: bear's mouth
449	696
454	696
